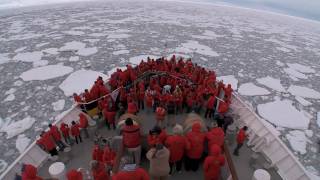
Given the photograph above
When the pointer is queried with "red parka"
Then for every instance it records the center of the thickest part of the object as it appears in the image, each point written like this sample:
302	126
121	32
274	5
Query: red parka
47	142
215	136
83	121
75	130
108	156
109	116
137	174
100	172
160	113
74	175
241	137
157	139
176	145
132	108
131	136
65	130
55	133
97	154
213	163
196	139
211	101
30	173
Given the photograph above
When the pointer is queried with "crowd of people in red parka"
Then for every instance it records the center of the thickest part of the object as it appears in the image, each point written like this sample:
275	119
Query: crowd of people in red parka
182	86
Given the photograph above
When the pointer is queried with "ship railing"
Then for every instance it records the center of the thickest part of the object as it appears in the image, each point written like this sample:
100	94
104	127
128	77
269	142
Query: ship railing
263	139
230	168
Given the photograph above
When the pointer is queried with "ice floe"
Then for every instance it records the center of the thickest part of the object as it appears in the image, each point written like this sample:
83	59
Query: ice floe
40	63
11	97
318	119
196	47
282	113
250	89
20	49
230	79
137	59
294	74
303	101
74	58
10	91
28	56
298	141
53	51
4	58
121	52
75	33
18	127
79	80
304	92
272	83
3	165
58	105
22	143
207	35
279	63
118	36
18	83
72	46
301	68
87	51
46	72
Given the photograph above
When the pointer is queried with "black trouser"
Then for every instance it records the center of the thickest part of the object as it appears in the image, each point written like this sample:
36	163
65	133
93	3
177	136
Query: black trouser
178	165
61	145
78	137
236	150
53	152
113	125
191	164
140	104
209	112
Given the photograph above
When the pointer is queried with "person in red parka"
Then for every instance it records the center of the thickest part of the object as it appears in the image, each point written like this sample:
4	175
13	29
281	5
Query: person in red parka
141	94
64	128
160	115
29	172
177	144
74	175
132	107
83	124
196	139
131	172
47	143
109	156
215	136
99	171
213	163
223	107
75	131
97	153
109	116
132	139
210	106
241	137
55	134
156	136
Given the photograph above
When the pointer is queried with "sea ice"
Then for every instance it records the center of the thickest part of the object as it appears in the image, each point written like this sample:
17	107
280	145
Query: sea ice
73	45
18	127
74	58
46	72
272	83
4	58
80	80
294	73
75	33
3	165
298	141
10	91
87	51
303	101
196	47
301	68
282	113
279	63
11	97
250	89
58	105
207	35
53	51
318	119
40	63
20	49
230	79
28	56
304	92
121	52
137	59
22	143
118	36
18	83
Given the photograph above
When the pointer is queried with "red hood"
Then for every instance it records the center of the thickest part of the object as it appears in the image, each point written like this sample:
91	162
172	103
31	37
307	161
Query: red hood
30	171
215	150
74	175
196	127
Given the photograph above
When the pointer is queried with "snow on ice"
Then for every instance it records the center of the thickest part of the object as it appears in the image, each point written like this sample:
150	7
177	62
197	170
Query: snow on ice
298	141
304	92
230	79
58	105
28	56
80	80
87	51
22	143
250	89
46	72
303	101
282	113
272	83
137	59
4	58
196	47
121	52
18	127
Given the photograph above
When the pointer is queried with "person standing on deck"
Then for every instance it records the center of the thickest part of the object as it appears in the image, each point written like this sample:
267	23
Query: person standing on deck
74	175
132	139
109	116
196	139
99	171
159	162
47	143
66	133
83	120
160	115
55	134
241	137
29	172
75	131
213	163
210	106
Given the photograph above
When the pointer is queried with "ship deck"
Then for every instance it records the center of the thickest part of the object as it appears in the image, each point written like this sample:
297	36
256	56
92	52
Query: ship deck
80	155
